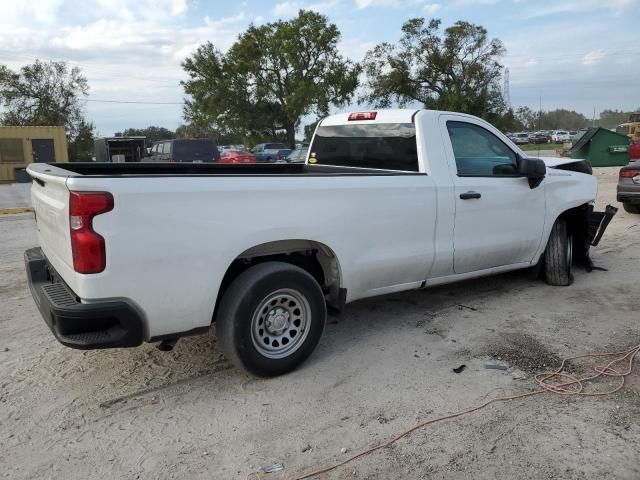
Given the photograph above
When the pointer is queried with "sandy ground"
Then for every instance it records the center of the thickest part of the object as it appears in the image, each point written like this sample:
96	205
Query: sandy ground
381	367
14	195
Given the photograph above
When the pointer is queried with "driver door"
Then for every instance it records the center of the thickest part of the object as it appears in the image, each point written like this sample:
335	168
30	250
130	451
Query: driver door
498	218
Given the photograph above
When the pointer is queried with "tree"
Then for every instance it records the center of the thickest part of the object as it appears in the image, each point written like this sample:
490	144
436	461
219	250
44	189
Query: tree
309	130
458	71
507	121
562	118
527	118
271	76
152	133
81	145
43	93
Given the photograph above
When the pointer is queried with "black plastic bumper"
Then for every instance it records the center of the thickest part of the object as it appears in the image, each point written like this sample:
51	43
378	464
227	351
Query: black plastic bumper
632	198
109	324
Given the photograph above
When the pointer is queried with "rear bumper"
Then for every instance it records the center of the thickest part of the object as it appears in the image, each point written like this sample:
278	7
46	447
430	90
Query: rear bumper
85	326
629	196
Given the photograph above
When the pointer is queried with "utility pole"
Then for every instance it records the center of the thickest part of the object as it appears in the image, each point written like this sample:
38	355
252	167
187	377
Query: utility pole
540	113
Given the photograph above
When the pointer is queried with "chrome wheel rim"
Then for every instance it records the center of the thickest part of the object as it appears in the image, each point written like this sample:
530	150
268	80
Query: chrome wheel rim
280	323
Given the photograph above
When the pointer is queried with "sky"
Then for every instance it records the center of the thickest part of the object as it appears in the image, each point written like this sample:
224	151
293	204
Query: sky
576	54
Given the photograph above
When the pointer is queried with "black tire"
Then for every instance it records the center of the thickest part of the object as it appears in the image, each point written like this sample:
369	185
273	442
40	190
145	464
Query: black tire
236	327
631	207
558	255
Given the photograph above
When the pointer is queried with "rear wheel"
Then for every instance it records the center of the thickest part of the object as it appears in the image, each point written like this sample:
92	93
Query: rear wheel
271	318
558	255
631	207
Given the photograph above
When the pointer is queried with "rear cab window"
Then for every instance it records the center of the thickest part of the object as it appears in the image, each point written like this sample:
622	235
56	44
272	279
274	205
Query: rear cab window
381	146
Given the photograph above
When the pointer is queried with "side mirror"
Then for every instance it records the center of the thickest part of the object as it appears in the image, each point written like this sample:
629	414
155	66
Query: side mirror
532	168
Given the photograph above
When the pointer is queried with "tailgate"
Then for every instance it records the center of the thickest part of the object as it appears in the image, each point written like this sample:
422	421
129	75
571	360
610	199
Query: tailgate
50	200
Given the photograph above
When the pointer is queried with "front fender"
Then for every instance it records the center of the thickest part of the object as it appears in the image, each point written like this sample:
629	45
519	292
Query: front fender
564	190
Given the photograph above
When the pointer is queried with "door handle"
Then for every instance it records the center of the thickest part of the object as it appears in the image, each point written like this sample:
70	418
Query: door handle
469	195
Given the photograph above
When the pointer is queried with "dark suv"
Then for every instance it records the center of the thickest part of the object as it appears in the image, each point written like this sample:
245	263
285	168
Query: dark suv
196	150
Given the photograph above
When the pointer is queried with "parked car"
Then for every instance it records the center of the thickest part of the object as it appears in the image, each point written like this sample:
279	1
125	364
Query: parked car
628	190
236	156
299	155
539	137
521	138
300	237
560	136
270	152
196	150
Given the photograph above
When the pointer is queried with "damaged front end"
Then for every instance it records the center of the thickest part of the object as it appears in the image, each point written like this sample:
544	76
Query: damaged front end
587	227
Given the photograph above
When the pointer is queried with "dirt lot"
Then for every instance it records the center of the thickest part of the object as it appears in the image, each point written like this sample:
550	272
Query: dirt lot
380	368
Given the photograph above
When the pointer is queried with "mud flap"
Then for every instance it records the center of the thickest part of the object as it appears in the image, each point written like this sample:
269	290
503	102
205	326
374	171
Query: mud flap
598	223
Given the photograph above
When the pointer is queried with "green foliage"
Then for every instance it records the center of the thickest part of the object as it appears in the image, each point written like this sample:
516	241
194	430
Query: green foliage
43	93
80	147
505	121
271	76
204	131
526	118
561	118
152	133
309	130
458	71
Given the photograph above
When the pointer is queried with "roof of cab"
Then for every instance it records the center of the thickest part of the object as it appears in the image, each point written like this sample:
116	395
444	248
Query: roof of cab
395	115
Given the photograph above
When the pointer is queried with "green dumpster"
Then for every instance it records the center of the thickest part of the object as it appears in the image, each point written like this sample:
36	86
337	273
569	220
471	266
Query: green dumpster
602	148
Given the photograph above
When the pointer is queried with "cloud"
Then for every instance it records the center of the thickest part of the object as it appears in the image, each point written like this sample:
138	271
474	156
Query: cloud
594	56
286	9
38	11
476	2
431	8
616	7
290	9
376	3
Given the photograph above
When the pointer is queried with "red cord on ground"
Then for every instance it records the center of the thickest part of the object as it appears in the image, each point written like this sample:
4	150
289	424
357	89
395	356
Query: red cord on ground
557	381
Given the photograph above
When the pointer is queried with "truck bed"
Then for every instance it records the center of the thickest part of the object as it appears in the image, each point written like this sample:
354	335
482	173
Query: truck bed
144	169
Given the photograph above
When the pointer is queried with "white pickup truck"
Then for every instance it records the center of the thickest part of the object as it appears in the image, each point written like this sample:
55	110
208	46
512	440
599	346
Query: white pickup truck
387	201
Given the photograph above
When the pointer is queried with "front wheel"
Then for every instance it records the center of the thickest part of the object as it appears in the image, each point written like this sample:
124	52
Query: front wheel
558	255
271	318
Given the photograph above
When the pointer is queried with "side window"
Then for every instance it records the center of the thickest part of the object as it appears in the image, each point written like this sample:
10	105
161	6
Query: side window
479	152
154	149
167	147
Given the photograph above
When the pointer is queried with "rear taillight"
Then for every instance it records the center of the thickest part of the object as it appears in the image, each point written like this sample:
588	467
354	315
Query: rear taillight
87	246
629	173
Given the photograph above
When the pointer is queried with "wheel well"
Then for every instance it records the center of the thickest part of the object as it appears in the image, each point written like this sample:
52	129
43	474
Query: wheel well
315	258
577	219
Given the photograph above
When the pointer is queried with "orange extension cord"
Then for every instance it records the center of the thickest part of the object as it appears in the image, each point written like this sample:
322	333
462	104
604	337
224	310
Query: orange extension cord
557	381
